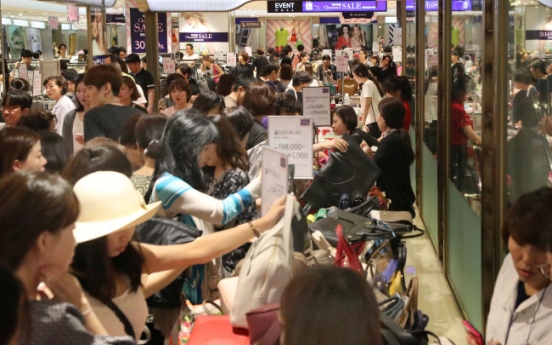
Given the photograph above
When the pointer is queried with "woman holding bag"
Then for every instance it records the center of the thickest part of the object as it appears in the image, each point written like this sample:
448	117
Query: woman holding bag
371	96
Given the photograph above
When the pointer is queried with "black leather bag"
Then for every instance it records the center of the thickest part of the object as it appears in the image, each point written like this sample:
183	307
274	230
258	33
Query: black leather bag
393	334
350	173
164	231
355	228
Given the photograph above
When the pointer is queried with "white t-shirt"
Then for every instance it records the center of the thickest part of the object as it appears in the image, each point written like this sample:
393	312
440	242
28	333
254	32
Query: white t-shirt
62	107
78	128
369	89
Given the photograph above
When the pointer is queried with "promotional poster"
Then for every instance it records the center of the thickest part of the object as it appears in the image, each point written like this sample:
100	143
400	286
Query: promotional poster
33	35
138	32
17	41
294	32
341	36
99	33
206	31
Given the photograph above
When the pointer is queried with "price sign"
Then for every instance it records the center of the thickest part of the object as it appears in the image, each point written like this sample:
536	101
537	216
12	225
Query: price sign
249	51
327	52
22	68
316	104
341	63
53	23
275	177
375	48
219	55
231	59
169	65
37	82
397	53
293	135
349	53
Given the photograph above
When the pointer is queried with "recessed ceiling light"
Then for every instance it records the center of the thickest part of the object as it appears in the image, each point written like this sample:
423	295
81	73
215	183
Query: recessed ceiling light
20	14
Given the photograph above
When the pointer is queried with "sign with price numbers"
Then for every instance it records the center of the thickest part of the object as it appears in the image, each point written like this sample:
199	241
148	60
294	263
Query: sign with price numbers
275	177
292	135
37	82
316	104
138	31
341	63
169	65
231	59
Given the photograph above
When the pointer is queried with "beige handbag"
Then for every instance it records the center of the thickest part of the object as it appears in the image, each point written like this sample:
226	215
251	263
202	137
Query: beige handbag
266	269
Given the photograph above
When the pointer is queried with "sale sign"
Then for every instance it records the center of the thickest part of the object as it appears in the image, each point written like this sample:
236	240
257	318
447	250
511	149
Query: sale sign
138	31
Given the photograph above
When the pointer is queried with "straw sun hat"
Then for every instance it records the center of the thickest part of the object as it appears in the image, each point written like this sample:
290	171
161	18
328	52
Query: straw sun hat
109	203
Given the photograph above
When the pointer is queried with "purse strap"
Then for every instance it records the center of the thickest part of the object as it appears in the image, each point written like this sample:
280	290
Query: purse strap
129	330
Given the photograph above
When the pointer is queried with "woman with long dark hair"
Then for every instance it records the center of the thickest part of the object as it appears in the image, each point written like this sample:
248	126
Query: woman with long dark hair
129	93
20	149
372	93
73	126
394	156
399	87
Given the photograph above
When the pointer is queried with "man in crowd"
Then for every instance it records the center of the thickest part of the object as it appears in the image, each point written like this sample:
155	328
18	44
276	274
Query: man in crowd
271	74
327	69
107	114
235	98
142	78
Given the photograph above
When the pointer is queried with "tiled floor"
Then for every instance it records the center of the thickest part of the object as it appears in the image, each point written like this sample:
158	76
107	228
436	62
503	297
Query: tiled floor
434	297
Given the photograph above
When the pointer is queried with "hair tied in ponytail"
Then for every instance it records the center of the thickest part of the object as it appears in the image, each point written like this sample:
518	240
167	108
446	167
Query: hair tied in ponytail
152	146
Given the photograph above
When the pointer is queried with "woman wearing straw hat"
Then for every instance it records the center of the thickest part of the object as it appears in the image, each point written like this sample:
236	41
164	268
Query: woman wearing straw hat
110	266
37	217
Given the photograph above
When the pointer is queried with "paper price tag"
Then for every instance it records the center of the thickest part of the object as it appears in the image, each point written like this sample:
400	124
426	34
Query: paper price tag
341	63
231	59
169	65
249	51
275	177
22	68
37	82
293	135
327	52
316	104
397	53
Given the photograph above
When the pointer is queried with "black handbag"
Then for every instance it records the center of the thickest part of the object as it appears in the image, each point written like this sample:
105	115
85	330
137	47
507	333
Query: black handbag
350	173
164	231
355	228
393	334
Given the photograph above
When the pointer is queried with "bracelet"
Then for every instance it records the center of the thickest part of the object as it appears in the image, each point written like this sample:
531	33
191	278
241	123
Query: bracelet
86	312
255	231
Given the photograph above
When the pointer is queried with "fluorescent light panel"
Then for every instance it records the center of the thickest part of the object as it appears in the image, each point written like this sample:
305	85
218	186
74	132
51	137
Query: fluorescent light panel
188	5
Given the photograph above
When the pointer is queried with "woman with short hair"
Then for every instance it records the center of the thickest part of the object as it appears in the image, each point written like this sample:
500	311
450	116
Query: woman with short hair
56	88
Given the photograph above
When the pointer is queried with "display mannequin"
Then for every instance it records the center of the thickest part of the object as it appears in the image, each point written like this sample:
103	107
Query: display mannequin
281	37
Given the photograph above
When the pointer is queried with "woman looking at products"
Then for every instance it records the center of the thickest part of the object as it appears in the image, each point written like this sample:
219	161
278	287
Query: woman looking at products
37	219
394	156
56	88
20	149
73	126
149	131
327	305
399	87
214	69
521	306
344	120
180	94
129	93
370	97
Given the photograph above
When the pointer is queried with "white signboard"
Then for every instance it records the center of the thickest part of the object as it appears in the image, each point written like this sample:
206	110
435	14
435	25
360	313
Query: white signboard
37	82
231	59
293	135
375	48
275	177
219	55
249	51
341	63
169	65
327	52
22	68
349	53
397	53
316	104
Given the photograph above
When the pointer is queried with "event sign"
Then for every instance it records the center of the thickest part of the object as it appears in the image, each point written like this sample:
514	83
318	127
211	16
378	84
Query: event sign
433	5
293	135
316	104
230	59
274	178
344	6
169	65
203	37
138	31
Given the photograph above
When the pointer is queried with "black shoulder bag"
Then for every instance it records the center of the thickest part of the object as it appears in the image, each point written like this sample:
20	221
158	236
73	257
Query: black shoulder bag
129	330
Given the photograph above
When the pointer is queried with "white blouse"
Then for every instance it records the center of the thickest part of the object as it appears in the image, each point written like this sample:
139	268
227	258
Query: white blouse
62	107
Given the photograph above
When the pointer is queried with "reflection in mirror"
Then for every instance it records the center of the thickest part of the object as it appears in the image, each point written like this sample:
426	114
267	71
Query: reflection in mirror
528	155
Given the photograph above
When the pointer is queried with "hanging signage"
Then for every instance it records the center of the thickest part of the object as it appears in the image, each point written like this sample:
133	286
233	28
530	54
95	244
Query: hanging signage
72	13
53	23
532	35
115	18
169	65
355	15
344	6
433	5
316	104
138	31
250	25
283	6
204	37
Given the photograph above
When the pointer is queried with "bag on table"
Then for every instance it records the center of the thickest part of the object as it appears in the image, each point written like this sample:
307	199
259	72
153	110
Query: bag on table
267	268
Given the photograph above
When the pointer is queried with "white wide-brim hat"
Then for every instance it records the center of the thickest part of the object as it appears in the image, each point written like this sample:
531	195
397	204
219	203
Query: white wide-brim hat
109	203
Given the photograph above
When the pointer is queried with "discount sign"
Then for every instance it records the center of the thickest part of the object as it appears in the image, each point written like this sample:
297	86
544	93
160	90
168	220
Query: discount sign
138	31
292	135
316	104
275	177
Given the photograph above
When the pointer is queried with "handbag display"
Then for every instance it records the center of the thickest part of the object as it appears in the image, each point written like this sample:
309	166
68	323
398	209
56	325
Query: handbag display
347	254
267	268
346	173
